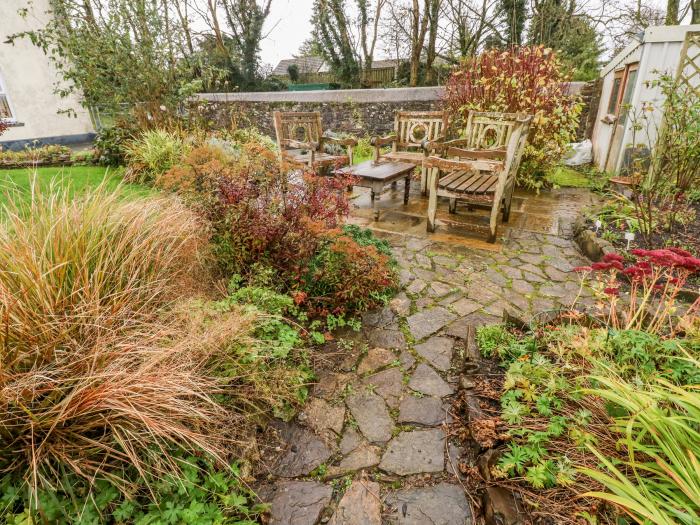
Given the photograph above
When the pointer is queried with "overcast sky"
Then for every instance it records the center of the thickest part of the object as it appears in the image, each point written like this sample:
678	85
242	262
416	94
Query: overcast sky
293	26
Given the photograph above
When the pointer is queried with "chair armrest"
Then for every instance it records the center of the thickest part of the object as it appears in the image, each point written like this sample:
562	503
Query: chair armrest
382	141
436	144
349	141
300	145
462	165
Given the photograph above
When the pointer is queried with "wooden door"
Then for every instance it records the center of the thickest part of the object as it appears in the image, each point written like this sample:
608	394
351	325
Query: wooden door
623	87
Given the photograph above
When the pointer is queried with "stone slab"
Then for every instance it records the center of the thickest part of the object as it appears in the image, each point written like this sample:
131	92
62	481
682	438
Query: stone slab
442	504
303	451
426	411
427	322
415	452
360	505
437	351
298	502
372	416
427	381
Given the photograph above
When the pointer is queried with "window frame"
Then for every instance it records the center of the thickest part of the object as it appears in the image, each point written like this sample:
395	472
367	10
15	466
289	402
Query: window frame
12	119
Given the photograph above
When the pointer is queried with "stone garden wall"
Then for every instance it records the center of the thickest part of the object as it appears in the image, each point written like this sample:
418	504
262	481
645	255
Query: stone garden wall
356	111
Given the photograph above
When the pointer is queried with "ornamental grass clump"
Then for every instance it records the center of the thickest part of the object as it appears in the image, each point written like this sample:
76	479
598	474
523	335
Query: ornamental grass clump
93	381
658	481
153	153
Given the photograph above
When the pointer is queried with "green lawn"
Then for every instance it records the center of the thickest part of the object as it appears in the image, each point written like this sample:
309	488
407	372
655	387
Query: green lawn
77	178
566	177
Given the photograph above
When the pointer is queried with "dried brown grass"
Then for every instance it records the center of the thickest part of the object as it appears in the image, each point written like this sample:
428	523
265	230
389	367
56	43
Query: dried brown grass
94	379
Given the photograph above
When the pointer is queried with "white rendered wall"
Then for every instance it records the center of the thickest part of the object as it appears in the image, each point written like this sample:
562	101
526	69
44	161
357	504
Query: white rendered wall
29	81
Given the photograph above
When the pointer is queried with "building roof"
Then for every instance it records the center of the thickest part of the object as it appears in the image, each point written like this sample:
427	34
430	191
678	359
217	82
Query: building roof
306	65
650	34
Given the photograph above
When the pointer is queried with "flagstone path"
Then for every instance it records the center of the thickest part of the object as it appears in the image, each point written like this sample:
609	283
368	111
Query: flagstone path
371	446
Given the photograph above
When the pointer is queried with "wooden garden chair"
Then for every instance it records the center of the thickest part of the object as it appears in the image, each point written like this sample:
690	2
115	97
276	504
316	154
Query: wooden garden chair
301	141
411	130
481	167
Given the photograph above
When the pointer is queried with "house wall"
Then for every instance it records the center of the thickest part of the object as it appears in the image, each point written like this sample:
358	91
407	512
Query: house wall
29	80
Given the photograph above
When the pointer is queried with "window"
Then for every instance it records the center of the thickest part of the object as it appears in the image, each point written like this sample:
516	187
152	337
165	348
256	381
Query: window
615	94
630	83
5	108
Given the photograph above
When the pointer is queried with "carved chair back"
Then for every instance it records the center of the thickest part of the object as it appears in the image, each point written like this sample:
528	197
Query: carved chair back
412	128
489	130
298	126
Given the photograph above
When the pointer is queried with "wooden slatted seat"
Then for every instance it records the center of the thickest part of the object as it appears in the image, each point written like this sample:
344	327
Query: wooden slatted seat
479	175
411	130
301	141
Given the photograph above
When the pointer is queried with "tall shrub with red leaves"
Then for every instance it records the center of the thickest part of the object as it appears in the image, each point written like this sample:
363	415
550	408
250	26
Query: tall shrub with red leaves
522	79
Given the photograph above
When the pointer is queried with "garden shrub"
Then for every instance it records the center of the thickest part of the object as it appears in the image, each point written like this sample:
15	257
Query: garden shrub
110	371
351	271
153	153
35	155
522	79
260	216
111	143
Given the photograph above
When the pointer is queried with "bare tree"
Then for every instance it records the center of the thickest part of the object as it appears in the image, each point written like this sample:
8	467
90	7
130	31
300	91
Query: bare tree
421	30
467	24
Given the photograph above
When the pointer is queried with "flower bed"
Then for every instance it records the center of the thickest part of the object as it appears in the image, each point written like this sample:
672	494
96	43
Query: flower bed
594	417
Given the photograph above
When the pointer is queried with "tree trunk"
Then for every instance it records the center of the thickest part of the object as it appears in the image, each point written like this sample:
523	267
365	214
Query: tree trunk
432	42
672	12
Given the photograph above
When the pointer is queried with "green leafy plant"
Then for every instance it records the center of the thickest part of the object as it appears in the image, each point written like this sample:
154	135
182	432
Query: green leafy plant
153	153
659	479
201	494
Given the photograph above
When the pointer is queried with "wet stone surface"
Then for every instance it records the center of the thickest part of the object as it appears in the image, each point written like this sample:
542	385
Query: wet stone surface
427	381
298	502
372	416
377	417
304	451
444	503
415	452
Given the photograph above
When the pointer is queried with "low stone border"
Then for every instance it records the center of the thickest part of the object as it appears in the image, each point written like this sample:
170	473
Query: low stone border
589	243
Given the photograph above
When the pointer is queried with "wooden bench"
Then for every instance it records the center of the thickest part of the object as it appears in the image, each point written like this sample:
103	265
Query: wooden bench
411	130
301	141
481	167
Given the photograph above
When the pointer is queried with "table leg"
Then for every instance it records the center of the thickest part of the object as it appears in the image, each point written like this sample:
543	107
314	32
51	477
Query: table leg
376	190
407	189
393	185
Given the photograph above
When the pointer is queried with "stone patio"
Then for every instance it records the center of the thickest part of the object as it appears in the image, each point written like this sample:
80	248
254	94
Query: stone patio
373	444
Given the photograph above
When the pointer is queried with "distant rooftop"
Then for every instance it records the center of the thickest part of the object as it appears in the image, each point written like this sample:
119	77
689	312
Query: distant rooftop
306	64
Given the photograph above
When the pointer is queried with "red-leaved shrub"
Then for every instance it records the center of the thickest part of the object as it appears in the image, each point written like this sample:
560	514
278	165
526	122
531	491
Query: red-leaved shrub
522	79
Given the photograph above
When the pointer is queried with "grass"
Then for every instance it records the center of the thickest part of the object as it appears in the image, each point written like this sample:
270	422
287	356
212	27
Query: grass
75	179
566	177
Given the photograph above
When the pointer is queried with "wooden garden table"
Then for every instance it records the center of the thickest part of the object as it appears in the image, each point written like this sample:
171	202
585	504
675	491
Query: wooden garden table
376	175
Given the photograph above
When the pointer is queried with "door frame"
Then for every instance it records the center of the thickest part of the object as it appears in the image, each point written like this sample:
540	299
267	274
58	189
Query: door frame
618	133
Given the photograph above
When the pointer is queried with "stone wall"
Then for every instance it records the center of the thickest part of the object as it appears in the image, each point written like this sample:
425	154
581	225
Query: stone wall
590	93
356	111
360	112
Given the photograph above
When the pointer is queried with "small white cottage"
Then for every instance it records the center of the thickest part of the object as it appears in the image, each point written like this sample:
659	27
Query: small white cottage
28	102
625	84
